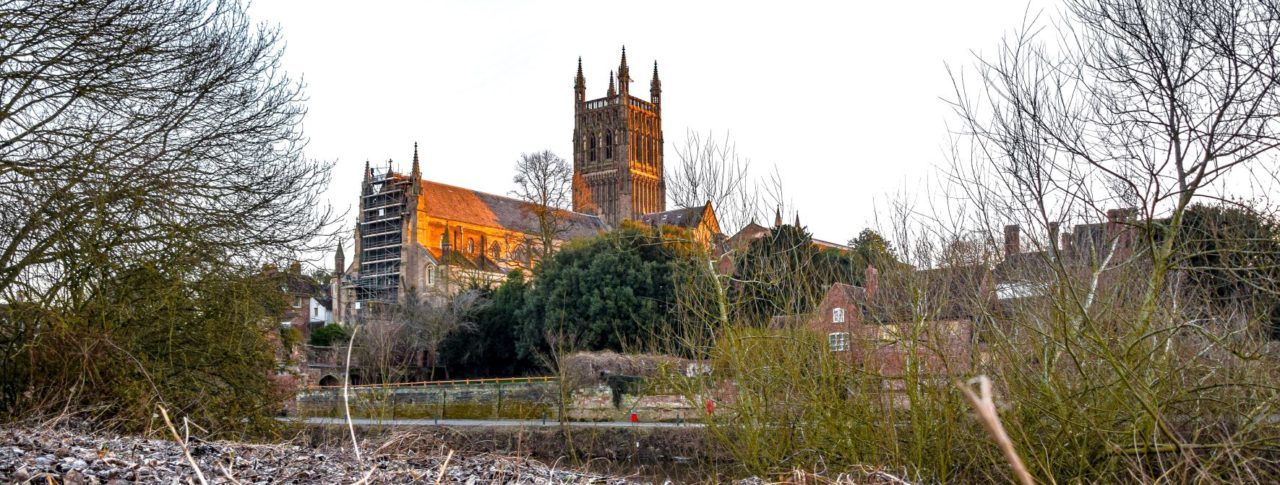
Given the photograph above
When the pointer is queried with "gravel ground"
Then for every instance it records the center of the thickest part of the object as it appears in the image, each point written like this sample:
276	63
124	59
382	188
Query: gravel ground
67	456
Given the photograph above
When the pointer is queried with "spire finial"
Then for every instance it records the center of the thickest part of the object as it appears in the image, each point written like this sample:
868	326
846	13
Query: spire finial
777	217
339	260
416	171
624	73
797	223
580	86
655	86
612	91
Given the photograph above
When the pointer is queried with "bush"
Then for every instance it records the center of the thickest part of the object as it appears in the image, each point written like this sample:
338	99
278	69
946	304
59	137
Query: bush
192	337
330	335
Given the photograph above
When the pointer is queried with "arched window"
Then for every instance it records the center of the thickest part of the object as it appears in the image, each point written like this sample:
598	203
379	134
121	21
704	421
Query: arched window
608	145
591	150
495	251
471	246
837	315
430	271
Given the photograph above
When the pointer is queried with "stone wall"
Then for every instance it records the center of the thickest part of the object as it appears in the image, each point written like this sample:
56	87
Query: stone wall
507	400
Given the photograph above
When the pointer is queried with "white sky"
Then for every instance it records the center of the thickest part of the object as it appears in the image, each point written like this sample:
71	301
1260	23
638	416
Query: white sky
844	97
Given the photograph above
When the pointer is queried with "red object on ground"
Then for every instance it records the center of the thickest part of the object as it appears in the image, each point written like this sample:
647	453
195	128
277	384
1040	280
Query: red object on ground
635	418
711	406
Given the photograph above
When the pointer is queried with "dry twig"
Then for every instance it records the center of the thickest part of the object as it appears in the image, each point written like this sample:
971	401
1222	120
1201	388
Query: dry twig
183	444
985	406
444	466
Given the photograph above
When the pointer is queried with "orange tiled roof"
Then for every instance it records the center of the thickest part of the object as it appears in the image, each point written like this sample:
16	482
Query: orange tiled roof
458	204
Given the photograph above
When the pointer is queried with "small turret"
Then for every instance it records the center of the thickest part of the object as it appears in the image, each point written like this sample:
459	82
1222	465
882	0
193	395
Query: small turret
612	91
624	75
417	172
655	87
580	86
367	186
339	261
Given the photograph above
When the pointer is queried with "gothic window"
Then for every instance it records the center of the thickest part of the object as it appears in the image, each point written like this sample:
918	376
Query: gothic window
471	246
837	315
591	152
495	251
430	271
608	145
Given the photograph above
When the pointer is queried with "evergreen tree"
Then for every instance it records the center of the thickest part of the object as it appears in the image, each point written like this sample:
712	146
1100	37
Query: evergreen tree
611	292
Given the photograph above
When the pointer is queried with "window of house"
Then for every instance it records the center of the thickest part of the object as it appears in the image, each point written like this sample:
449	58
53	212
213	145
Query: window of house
297	302
495	251
837	315
839	341
471	246
431	274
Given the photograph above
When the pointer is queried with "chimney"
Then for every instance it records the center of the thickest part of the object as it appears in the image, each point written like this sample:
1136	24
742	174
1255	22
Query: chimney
1011	244
871	282
1053	235
1115	221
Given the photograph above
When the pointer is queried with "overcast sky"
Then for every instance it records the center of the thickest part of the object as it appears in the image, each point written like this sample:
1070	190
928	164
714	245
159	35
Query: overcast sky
843	97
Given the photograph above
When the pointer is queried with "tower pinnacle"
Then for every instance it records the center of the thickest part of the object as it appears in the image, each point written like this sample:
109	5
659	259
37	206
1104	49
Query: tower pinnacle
417	173
624	74
612	92
580	85
655	86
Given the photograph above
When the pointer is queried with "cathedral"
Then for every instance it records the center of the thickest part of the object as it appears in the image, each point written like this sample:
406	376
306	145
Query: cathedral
413	234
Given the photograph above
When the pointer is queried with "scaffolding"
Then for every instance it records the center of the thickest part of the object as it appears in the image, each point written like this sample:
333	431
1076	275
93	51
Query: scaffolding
382	229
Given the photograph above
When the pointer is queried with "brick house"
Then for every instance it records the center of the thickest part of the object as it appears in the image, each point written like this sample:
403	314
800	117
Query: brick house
872	327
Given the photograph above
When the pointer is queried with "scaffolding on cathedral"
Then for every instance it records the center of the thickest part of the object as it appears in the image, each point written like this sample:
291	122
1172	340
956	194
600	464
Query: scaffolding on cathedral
382	222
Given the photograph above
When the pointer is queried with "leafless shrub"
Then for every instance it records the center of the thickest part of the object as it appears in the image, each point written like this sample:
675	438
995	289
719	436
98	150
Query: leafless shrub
582	369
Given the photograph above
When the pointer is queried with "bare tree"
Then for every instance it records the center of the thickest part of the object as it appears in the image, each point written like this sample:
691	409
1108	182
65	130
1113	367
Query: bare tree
712	170
545	181
1120	118
428	319
145	127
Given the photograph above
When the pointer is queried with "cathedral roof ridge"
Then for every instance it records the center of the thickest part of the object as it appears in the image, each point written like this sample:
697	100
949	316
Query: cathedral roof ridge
428	186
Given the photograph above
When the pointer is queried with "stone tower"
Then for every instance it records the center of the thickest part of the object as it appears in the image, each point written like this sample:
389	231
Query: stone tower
617	149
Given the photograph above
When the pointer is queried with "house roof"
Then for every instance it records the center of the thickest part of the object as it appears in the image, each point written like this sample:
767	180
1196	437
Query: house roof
829	245
934	294
851	293
747	233
452	203
688	217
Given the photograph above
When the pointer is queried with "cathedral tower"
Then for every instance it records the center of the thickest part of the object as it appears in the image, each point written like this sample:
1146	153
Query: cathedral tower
617	149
